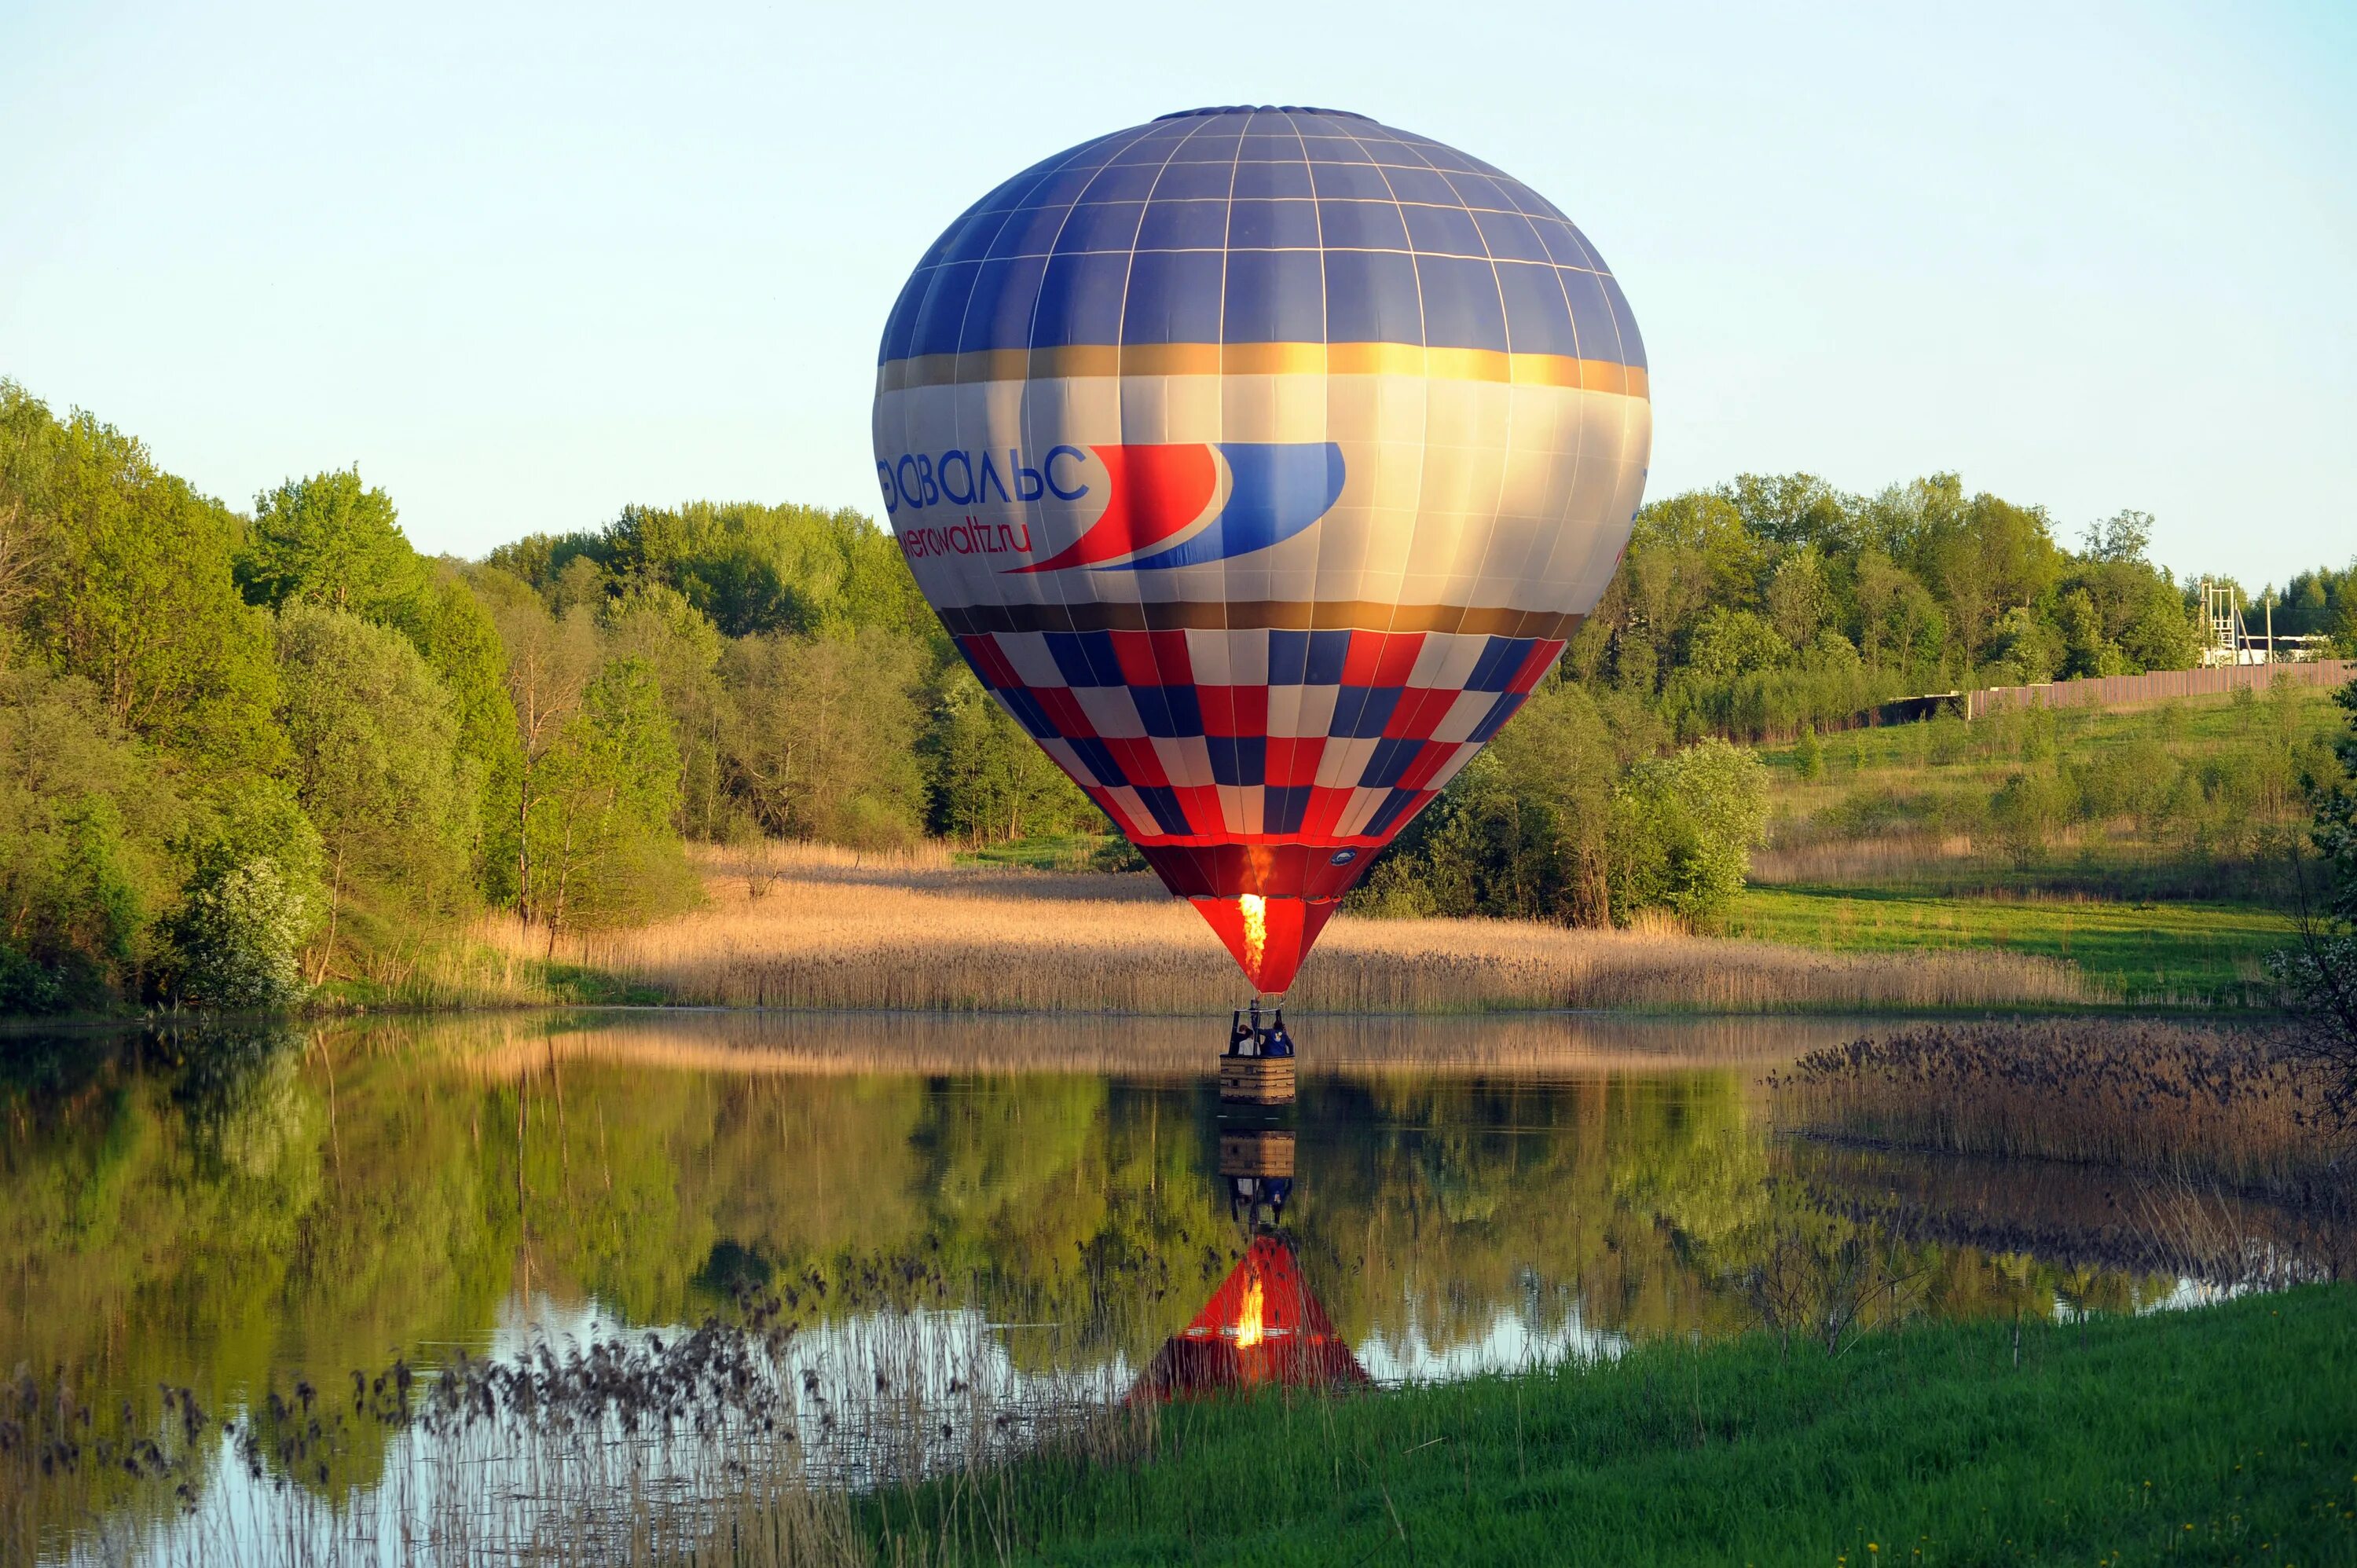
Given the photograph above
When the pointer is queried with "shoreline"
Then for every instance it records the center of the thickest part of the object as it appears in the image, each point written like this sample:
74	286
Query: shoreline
803	929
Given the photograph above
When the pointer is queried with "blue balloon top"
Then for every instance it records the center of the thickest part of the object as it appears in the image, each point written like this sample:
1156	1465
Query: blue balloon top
1263	225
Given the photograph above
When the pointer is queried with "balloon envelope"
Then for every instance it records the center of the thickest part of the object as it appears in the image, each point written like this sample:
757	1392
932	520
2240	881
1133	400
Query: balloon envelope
1260	461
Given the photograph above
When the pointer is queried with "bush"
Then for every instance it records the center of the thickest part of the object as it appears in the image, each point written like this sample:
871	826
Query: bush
234	941
1684	829
26	986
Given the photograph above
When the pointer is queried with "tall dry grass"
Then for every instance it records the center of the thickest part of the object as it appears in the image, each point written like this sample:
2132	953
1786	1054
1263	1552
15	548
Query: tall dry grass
2228	1106
789	926
738	1441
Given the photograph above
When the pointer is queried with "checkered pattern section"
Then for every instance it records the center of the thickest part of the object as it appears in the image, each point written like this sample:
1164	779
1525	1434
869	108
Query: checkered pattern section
1327	738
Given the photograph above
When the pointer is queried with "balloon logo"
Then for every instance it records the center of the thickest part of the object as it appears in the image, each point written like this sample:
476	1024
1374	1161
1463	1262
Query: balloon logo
1260	461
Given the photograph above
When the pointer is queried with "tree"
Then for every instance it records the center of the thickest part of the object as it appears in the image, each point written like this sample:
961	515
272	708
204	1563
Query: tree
85	819
600	832
550	663
331	539
2321	974
377	766
1686	826
235	938
1799	598
1527	830
453	629
989	781
2122	537
131	588
655	623
823	734
251	897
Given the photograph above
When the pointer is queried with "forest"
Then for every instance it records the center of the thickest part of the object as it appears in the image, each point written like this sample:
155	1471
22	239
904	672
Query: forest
248	753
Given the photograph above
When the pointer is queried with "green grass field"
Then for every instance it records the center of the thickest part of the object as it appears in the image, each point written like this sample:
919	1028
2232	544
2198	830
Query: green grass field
2226	1434
2157	862
2164	954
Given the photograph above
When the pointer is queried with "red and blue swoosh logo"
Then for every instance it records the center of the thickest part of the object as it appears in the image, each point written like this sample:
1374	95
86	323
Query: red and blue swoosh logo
1164	505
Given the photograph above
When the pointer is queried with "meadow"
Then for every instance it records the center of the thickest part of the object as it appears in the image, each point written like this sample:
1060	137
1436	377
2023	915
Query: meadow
2148	848
805	927
1974	1442
2145	954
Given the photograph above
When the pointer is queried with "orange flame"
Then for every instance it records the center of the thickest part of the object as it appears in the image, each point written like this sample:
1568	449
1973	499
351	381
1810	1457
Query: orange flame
1256	913
1248	1318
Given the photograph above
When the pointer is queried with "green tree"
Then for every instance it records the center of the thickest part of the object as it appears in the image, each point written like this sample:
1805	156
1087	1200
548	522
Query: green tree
453	628
2321	973
550	663
235	940
1686	826
822	735
85	820
331	539
600	833
377	766
986	781
131	588
655	623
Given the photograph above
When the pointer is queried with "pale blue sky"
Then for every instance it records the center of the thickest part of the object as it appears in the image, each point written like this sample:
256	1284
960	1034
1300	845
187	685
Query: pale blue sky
527	264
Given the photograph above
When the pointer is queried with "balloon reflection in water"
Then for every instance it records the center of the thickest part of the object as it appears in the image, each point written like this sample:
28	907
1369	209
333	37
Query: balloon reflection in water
1262	1327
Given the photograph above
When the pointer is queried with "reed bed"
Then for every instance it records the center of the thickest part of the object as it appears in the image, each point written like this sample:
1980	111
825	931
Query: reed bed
734	1442
799	928
2127	1230
2227	1106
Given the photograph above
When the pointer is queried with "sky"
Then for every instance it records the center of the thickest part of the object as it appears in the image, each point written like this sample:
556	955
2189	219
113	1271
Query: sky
527	264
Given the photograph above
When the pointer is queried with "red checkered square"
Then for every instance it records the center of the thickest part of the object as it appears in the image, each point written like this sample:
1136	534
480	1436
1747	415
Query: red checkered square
1233	710
1140	763
989	661
1293	762
1153	658
1062	712
1381	658
1201	804
1325	808
1419	715
1435	756
1535	665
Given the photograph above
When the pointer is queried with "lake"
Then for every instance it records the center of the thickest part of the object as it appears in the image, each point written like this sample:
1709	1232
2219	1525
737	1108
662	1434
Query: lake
265	1253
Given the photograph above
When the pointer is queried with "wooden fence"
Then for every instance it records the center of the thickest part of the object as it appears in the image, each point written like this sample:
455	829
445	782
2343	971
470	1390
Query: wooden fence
2125	691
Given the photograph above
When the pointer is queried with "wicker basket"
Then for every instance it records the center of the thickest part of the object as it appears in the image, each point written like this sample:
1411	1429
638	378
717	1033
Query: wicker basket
1256	1080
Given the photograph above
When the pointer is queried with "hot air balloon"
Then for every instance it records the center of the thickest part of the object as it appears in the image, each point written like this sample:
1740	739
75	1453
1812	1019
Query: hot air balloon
1259	461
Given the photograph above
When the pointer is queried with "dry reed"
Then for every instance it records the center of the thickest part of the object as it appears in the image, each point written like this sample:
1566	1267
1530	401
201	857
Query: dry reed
737	1442
2218	1105
798	928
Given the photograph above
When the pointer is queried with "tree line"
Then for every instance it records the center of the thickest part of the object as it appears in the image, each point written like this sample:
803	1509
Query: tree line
248	754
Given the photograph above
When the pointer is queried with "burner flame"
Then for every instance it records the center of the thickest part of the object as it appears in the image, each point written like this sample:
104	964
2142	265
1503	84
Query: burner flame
1249	1332
1256	913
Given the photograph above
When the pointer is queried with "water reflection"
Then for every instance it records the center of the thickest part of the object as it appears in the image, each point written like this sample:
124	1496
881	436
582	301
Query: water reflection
230	1211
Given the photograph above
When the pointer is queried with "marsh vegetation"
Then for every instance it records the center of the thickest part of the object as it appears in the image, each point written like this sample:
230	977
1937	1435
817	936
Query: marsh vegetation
799	926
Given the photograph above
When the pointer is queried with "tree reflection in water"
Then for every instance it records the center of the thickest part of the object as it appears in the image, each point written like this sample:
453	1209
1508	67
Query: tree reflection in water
228	1212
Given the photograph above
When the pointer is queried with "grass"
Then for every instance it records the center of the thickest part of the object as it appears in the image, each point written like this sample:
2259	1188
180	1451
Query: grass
2226	1434
794	925
2145	954
2185	800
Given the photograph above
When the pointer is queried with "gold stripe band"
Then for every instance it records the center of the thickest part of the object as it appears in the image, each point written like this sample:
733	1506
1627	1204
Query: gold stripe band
1266	615
1261	360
